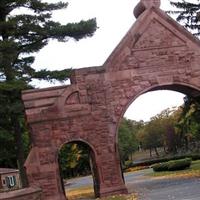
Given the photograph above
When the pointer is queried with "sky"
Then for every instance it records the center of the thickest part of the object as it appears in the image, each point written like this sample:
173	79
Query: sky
114	18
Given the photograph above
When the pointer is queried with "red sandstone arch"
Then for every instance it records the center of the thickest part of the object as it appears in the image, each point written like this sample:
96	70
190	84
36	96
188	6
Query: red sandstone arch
155	53
178	87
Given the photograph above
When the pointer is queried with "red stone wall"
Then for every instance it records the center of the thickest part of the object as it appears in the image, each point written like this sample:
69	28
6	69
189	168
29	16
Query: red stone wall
23	194
155	54
17	178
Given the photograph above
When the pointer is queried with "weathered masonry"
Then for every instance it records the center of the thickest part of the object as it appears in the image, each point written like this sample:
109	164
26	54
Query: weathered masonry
156	53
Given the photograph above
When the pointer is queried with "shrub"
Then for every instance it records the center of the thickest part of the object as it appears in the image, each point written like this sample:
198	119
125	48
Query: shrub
179	164
127	164
166	159
160	167
172	165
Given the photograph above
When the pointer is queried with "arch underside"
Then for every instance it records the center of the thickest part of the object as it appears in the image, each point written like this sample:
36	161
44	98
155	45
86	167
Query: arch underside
187	90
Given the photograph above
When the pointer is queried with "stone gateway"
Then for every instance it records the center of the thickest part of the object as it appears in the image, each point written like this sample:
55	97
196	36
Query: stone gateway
156	53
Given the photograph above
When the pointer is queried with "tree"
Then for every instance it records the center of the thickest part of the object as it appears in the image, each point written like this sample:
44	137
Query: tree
168	122
21	35
151	136
128	143
159	132
188	14
188	122
74	159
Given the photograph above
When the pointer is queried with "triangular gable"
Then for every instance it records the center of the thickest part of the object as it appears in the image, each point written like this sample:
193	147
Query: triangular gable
154	29
156	35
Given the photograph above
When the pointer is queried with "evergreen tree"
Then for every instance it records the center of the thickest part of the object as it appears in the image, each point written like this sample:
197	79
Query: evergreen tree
188	13
21	35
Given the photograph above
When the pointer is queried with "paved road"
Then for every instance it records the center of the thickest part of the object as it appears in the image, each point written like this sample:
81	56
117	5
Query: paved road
79	182
163	189
153	189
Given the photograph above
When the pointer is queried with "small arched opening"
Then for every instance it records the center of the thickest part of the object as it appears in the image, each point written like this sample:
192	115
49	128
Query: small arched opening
78	170
171	131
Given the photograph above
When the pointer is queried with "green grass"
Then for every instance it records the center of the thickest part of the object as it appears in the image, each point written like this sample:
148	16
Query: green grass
194	170
196	165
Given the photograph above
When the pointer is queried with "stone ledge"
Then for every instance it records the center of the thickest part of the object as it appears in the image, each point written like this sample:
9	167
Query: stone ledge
22	194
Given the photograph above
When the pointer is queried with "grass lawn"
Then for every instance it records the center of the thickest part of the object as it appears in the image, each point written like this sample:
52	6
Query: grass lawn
193	171
88	193
80	193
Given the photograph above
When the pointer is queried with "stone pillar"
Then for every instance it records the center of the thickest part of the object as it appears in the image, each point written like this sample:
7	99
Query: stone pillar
43	171
22	194
111	180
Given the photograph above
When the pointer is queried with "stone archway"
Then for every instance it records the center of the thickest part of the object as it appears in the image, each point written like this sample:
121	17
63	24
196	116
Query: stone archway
93	165
184	89
156	52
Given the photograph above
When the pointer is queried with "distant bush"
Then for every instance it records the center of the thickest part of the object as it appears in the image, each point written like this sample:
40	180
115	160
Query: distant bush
166	159
160	167
179	164
172	165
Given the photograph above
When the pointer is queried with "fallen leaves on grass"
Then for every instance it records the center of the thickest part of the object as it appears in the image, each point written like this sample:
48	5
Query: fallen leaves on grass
88	193
186	174
133	169
80	193
120	197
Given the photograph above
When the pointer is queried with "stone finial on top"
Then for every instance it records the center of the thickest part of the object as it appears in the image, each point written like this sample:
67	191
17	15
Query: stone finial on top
150	3
145	4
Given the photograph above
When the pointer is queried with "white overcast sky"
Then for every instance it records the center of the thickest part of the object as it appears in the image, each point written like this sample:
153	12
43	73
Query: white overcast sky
114	18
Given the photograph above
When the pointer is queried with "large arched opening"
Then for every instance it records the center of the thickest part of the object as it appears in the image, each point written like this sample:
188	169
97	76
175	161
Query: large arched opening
78	170
132	151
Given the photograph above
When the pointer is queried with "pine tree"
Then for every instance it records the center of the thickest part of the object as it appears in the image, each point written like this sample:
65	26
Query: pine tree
21	35
188	13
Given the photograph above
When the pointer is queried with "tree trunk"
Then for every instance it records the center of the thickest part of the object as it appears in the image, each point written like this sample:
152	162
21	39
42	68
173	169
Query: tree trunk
150	152
186	144
131	157
19	151
157	154
164	148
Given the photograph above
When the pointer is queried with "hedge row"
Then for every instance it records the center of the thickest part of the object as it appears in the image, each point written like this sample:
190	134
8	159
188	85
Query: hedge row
172	165
166	159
